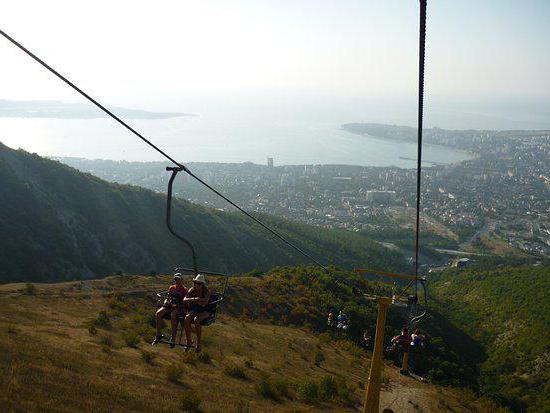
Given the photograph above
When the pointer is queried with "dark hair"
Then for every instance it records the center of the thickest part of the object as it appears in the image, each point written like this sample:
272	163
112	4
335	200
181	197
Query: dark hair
405	330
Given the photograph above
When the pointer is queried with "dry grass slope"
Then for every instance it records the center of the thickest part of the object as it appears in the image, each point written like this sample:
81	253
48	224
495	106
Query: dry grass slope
83	346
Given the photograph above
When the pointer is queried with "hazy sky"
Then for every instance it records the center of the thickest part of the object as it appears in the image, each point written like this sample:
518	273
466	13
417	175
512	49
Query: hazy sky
120	50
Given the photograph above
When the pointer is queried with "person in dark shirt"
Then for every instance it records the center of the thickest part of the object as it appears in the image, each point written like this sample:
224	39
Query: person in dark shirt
403	340
173	305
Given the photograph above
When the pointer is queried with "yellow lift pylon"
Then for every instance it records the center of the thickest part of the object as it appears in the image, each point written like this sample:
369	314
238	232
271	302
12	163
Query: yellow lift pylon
374	381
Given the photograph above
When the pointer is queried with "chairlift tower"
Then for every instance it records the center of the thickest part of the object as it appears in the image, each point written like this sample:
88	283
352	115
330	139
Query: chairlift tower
374	381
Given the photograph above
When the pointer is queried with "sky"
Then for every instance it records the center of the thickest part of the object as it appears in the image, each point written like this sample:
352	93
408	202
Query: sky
488	52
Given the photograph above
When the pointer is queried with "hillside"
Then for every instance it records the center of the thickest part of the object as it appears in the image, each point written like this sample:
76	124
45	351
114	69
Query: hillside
507	310
83	346
59	224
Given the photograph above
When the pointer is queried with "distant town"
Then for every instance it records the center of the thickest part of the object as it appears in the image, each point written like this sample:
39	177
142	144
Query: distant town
496	203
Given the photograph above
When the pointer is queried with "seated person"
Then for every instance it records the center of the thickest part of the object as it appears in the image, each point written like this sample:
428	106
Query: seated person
330	319
417	339
341	319
197	299
403	340
366	338
173	305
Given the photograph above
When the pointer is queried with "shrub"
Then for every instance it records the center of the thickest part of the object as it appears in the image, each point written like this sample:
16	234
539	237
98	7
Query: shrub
102	320
174	373
30	289
265	388
148	357
328	388
236	371
92	330
204	357
308	391
249	364
131	339
318	357
344	392
106	340
190	402
189	358
282	387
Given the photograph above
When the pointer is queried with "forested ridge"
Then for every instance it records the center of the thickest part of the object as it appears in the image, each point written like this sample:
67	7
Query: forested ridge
58	224
506	311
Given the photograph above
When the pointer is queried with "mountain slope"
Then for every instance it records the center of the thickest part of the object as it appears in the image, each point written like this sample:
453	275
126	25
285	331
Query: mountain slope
47	343
58	223
507	310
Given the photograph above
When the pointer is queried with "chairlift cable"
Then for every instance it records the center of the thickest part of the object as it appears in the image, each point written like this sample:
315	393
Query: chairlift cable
421	58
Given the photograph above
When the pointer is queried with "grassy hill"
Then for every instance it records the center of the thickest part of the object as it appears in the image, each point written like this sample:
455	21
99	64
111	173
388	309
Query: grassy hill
60	224
83	346
507	310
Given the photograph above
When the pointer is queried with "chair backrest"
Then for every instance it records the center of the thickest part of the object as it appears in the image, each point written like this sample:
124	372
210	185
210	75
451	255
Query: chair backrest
215	299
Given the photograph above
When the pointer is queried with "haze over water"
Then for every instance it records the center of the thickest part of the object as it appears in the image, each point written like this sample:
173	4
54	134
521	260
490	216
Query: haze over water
290	131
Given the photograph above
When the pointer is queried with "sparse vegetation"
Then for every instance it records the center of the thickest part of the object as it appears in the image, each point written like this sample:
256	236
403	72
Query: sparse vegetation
318	357
102	320
174	372
273	388
308	391
233	370
328	389
190	402
204	357
131	339
106	340
148	357
30	289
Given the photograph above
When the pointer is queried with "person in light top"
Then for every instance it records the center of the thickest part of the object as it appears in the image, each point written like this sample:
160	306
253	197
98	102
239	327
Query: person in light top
173	305
197	299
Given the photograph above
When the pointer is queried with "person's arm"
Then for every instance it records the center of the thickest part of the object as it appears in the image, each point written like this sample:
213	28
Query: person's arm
188	298
168	300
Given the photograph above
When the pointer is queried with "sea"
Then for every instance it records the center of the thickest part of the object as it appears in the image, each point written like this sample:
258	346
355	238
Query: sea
289	135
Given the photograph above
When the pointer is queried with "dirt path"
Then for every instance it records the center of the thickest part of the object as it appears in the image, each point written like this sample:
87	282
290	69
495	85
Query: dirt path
404	394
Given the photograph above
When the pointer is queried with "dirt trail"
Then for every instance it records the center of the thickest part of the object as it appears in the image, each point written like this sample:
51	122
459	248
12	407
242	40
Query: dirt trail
406	394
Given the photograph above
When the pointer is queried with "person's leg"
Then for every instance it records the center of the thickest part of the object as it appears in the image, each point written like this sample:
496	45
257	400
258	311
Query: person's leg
174	320
159	320
187	325
198	328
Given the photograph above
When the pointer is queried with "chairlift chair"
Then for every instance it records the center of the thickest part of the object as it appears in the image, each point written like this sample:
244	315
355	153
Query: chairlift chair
216	297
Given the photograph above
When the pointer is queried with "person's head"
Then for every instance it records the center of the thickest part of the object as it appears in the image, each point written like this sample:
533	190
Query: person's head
177	279
405	330
199	282
417	331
